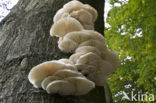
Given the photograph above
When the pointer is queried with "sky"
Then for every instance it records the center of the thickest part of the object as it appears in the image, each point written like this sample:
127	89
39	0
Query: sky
106	10
5	6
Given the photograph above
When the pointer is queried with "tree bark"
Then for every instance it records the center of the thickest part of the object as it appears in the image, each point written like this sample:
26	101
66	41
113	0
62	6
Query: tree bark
25	42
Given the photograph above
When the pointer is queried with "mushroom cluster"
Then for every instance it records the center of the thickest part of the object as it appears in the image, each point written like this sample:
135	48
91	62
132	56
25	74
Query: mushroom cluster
90	62
60	76
77	35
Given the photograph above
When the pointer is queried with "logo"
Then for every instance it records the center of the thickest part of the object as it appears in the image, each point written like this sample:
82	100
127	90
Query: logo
125	96
137	97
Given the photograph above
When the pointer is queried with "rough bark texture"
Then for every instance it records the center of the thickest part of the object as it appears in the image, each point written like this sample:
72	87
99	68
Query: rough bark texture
25	42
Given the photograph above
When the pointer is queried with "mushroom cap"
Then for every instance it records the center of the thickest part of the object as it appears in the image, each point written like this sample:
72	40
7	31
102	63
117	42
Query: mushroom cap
91	72
60	14
88	26
39	72
83	16
95	43
84	35
48	80
98	78
74	57
61	87
72	6
81	84
65	25
92	11
68	45
86	69
77	36
86	49
66	61
65	73
89	59
96	35
97	74
111	57
76	5
36	75
106	67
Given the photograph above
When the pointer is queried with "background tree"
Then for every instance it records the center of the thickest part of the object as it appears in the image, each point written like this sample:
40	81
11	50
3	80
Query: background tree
25	42
132	34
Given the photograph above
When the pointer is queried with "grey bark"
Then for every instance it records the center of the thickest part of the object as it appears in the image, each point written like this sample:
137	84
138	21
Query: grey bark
24	43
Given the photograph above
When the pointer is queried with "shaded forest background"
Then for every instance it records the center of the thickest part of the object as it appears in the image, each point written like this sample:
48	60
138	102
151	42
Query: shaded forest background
132	35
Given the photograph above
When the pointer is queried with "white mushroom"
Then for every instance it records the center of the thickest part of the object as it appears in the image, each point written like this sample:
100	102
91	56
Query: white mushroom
84	35
96	35
92	73
66	61
39	72
97	72
90	59
87	69
60	14
65	25
84	13
48	80
78	36
74	57
111	57
82	51
89	65
106	67
95	43
86	49
93	59
72	39
73	4
88	26
67	73
67	45
81	84
76	5
61	87
83	16
92	11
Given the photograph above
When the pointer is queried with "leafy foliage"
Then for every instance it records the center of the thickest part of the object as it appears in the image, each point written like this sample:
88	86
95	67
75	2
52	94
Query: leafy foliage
132	35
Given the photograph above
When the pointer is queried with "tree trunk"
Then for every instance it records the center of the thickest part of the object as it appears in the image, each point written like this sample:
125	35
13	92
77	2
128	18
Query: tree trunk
25	42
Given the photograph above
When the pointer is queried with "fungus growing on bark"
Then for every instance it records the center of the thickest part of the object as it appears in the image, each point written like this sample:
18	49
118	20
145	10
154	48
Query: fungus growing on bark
90	62
64	26
84	13
39	72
